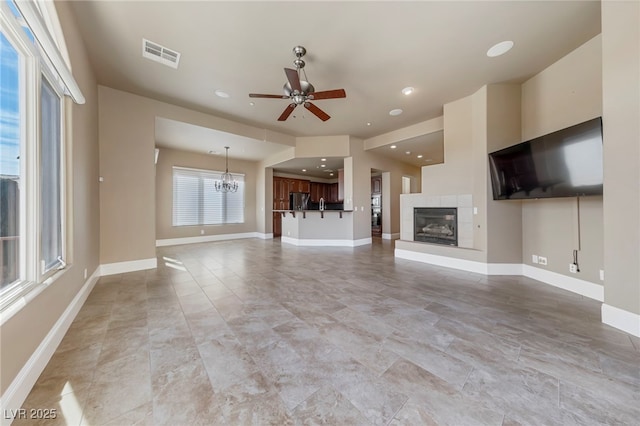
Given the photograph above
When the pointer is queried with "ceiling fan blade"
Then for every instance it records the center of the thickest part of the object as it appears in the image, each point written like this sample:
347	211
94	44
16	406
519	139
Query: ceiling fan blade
328	94
317	111
258	95
294	79
287	112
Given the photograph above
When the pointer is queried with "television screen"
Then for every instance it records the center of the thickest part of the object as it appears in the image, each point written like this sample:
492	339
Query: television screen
566	163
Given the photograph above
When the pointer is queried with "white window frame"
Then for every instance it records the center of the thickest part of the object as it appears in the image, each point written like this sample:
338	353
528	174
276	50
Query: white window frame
35	64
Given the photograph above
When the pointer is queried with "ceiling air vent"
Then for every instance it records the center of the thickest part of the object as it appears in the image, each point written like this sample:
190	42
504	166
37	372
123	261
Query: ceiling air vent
158	53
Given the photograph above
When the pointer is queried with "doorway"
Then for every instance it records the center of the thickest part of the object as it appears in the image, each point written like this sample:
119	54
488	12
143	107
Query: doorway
376	204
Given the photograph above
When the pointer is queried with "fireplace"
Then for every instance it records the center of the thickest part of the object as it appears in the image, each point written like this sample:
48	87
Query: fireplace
438	225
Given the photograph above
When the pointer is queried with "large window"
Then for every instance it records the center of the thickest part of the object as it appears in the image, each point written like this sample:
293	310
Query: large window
34	80
196	202
10	146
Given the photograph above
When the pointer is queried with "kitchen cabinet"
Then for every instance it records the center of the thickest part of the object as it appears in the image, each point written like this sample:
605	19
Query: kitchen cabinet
281	189
333	193
315	189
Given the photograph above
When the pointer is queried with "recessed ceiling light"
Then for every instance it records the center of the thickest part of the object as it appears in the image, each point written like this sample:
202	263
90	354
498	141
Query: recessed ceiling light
323	165
408	152
395	112
428	159
252	103
407	90
369	124
330	174
500	48
222	94
304	170
393	147
420	156
323	159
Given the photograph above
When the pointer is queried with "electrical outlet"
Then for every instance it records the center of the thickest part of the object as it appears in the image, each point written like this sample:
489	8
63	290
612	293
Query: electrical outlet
542	260
534	258
601	274
573	268
202	232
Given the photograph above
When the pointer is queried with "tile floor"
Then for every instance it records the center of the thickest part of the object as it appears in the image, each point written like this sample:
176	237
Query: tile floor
255	332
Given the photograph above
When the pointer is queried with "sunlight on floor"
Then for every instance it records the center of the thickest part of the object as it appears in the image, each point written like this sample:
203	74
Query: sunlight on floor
174	263
71	409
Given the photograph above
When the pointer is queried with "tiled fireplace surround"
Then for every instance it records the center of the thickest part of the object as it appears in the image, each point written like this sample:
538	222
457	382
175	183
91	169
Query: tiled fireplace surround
463	202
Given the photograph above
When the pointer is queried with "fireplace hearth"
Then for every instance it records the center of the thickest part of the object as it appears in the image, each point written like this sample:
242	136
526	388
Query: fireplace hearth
437	225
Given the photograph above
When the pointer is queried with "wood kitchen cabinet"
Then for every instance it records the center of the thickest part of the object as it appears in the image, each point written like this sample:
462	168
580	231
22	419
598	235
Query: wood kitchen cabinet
281	189
315	189
333	193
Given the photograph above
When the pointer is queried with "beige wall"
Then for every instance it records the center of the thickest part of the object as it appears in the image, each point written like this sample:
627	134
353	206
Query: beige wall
169	158
504	222
360	183
127	143
621	121
127	194
452	176
566	93
27	329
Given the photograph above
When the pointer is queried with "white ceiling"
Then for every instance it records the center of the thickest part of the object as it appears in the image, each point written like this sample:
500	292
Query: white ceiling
371	49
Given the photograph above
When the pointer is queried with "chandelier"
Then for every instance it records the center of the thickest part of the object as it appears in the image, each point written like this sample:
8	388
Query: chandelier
226	183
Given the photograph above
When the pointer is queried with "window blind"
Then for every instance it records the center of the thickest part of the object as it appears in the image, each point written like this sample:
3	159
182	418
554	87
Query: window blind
196	202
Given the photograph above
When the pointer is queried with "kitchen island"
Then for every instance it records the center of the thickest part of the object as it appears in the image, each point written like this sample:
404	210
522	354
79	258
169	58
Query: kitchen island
319	228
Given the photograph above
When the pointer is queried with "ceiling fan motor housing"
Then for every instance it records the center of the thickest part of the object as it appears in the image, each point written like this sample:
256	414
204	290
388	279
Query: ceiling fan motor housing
307	88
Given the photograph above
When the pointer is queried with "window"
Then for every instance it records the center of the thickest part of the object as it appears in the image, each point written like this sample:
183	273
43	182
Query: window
10	169
51	177
196	202
34	80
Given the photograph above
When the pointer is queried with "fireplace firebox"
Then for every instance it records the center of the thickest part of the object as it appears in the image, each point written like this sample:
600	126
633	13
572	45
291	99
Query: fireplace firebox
437	225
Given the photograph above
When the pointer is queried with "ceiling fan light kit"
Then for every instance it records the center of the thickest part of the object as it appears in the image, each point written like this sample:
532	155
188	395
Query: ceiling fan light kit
300	91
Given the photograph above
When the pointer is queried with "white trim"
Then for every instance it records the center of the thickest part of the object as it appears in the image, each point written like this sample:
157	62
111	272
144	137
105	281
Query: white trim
130	266
575	285
19	389
326	243
448	262
39	29
394	236
582	287
207	238
268	236
504	268
621	319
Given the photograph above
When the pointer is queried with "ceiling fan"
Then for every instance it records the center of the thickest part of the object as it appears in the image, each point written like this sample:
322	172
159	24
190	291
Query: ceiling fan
300	91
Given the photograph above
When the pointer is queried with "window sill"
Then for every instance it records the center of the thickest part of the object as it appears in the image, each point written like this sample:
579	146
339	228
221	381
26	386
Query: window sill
25	294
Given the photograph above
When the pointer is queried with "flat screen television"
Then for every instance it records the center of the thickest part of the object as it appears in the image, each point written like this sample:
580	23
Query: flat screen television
566	163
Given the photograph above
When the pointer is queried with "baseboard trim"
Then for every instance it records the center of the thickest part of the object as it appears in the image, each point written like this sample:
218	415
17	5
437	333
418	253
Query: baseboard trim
326	243
584	288
621	319
395	236
208	238
575	285
448	262
19	389
130	266
262	236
